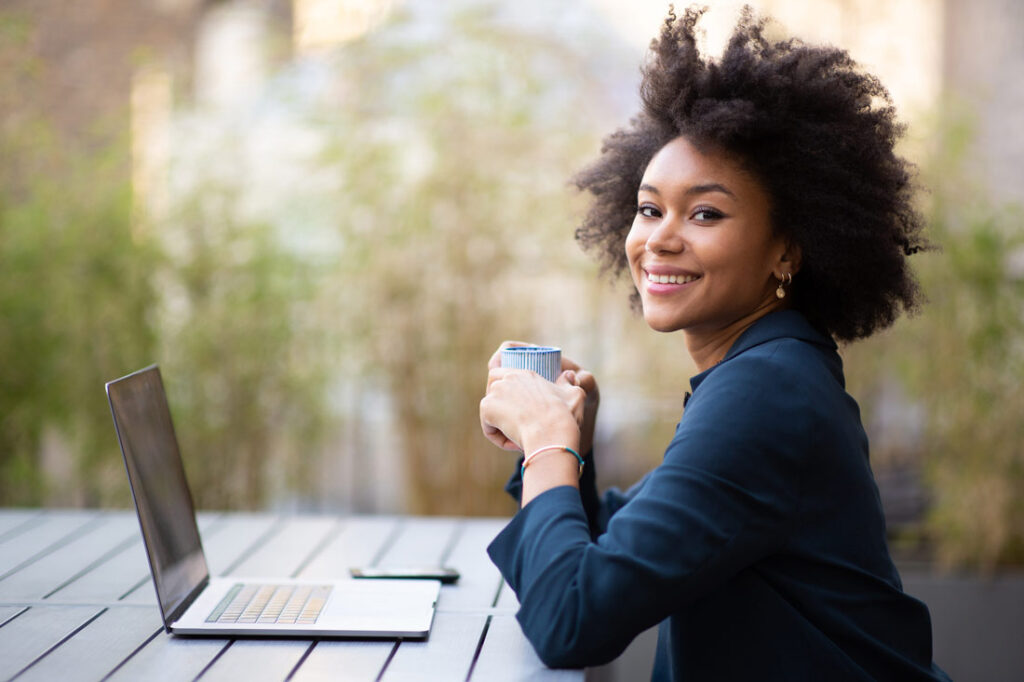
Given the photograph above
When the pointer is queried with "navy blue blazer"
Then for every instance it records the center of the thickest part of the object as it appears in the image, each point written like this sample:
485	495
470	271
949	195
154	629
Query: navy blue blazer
758	543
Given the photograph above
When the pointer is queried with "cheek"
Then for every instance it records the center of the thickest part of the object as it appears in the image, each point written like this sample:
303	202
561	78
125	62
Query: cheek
635	241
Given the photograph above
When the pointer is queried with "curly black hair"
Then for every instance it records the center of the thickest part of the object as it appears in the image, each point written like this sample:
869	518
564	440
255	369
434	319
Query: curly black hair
816	131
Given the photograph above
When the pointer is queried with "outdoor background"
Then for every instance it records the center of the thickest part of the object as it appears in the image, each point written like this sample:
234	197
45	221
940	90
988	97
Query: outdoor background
320	217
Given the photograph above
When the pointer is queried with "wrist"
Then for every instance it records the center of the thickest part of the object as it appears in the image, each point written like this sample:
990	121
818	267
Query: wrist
548	449
565	433
549	469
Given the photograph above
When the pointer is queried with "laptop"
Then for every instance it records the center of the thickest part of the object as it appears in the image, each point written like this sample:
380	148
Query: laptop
192	602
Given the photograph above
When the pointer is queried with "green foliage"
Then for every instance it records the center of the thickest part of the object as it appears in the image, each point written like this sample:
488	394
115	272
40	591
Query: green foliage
92	292
73	301
243	369
452	206
962	359
967	372
418	235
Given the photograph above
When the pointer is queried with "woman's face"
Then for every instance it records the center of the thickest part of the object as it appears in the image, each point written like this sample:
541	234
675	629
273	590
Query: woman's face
701	251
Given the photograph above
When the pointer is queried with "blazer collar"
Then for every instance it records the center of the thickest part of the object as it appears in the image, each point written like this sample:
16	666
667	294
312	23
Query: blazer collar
777	325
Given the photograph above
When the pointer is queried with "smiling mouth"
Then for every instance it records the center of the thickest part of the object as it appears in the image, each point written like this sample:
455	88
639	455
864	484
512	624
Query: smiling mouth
671	279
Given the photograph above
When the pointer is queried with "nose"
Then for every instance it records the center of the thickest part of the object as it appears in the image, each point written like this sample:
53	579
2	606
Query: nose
666	237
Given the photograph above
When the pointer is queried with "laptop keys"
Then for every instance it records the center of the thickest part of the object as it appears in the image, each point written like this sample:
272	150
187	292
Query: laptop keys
271	604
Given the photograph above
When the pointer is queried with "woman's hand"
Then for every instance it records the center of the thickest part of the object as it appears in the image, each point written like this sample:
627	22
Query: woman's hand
522	405
592	398
575	376
522	410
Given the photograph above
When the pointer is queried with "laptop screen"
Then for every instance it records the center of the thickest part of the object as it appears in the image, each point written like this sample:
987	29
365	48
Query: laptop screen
162	498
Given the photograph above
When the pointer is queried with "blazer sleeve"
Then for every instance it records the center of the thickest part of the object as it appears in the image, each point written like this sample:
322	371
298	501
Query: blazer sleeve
722	498
598	508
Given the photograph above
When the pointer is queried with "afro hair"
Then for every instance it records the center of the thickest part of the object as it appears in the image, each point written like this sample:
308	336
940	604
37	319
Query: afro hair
814	129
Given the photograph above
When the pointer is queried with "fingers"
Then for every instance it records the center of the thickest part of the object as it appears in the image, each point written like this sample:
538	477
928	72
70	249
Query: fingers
517	399
576	402
499	373
491	432
581	379
567	378
495	360
510	407
498	438
586	381
494	374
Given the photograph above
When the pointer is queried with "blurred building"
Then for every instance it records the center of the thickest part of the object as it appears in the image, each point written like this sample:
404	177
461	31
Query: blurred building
94	50
982	63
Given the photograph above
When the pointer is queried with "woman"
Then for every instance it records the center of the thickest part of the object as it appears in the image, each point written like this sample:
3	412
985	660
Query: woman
759	207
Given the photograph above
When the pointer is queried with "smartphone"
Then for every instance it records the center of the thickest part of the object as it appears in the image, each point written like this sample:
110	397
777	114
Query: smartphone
445	574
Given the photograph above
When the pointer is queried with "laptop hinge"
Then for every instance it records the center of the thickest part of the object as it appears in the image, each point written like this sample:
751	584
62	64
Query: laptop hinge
174	615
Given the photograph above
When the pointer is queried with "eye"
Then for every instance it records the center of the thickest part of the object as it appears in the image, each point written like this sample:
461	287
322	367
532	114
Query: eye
706	214
648	211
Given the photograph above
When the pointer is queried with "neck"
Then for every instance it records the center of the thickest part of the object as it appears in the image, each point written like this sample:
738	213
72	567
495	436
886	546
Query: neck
707	347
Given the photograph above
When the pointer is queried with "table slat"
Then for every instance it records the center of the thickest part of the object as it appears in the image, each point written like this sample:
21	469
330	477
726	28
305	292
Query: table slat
234	538
111	579
30	635
480	579
98	648
169	658
288	549
60	566
257	660
9	612
14	521
357	544
446	655
507	599
333	659
120	573
421	542
508	655
56	529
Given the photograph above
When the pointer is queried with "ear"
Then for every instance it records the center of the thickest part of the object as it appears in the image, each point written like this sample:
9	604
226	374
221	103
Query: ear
789	261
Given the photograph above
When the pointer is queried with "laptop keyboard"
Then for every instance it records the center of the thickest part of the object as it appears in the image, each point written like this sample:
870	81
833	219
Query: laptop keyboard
281	604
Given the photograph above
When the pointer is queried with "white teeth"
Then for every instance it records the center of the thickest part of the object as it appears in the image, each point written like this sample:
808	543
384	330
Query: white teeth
671	279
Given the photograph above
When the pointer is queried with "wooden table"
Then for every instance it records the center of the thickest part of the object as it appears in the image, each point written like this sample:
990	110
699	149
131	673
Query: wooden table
77	601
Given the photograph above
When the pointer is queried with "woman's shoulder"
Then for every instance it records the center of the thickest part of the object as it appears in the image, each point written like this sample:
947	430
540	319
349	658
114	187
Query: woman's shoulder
778	363
765	407
784	382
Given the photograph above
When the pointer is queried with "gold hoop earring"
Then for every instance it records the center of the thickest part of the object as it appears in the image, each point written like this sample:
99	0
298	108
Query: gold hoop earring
787	278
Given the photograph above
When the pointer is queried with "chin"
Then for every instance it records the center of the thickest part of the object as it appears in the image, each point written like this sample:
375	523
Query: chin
661	325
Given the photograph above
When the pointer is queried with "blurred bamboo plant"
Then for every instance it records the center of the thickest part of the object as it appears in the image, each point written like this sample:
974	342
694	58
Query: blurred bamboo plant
454	212
967	365
74	299
419	232
961	359
87	297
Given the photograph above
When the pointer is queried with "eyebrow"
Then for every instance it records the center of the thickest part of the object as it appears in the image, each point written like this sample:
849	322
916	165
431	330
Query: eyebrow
696	189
